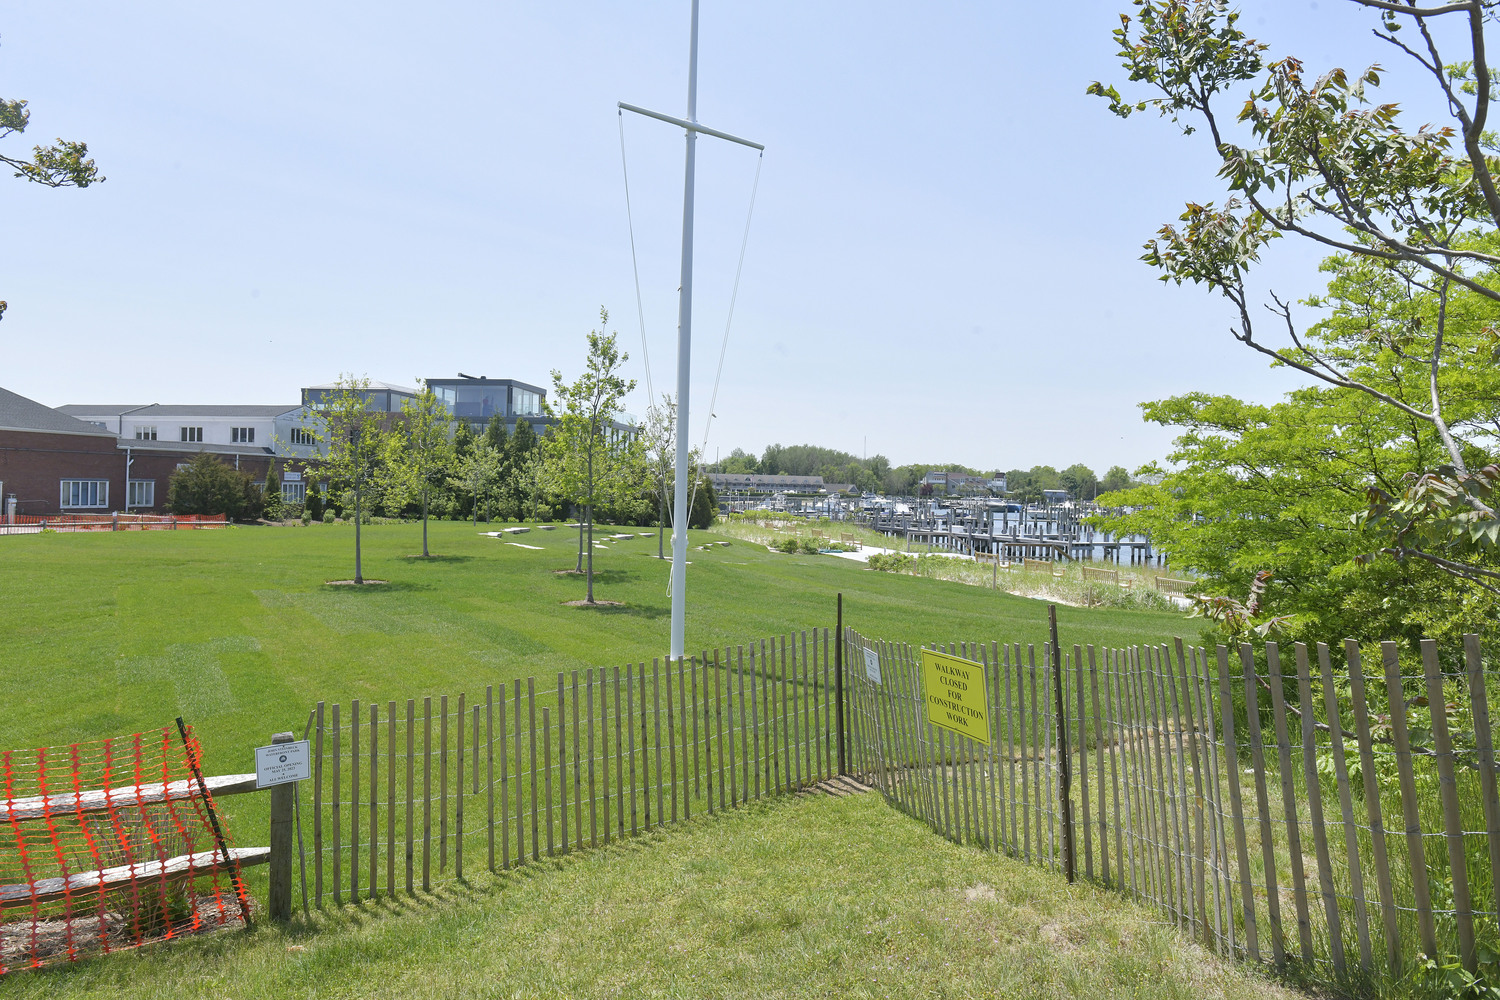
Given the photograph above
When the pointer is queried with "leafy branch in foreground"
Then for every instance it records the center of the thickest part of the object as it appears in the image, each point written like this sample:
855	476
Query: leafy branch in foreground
1316	158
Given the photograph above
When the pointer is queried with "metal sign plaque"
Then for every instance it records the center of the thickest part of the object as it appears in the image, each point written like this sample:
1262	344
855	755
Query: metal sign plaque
280	763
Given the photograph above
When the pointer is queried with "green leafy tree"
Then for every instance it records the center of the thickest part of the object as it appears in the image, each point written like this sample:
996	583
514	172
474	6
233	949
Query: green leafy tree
705	505
352	444
478	474
1080	482
1115	479
66	164
205	485
274	507
518	453
422	450
588	407
1314	158
660	444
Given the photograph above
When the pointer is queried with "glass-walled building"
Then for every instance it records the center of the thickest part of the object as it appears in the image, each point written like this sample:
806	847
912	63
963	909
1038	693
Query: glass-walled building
380	397
476	400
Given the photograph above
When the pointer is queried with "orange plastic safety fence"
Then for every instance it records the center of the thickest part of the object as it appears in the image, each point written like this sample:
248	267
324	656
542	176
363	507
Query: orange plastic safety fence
107	845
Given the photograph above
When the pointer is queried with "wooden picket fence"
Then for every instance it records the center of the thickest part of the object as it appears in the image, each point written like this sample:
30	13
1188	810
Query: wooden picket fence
1223	787
408	793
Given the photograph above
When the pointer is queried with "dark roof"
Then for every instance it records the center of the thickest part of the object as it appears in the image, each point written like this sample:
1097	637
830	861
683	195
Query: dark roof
175	410
190	448
17	413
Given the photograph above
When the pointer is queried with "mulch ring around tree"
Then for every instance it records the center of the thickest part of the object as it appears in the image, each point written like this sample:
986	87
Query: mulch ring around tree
351	583
593	604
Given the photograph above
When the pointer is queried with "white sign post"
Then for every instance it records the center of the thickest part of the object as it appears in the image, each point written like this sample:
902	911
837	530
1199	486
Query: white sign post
872	665
280	763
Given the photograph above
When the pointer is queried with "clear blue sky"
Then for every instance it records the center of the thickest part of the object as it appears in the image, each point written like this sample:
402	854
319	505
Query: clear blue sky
942	264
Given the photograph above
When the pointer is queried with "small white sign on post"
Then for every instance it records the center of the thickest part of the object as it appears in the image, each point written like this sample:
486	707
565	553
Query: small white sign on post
872	665
282	762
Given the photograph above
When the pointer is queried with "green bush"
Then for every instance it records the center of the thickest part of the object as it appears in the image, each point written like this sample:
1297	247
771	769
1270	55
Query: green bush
787	545
811	546
891	562
206	485
306	516
328	517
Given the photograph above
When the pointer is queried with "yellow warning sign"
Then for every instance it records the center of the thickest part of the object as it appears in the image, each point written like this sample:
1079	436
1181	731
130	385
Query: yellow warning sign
956	697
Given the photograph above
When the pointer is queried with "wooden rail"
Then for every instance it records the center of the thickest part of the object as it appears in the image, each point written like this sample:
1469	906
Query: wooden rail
48	890
99	800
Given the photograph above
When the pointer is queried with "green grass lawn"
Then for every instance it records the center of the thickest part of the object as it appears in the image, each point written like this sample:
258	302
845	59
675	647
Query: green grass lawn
236	630
105	634
800	897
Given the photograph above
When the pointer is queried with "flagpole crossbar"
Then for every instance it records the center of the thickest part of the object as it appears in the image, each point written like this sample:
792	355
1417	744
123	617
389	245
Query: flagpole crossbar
690	126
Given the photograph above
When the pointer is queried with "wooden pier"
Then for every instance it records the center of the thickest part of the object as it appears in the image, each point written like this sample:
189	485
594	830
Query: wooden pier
972	532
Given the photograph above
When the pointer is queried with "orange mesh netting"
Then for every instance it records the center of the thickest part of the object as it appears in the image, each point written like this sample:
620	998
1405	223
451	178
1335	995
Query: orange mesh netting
109	845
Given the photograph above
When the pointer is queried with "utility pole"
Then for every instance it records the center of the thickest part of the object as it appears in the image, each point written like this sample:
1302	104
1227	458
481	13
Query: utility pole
684	331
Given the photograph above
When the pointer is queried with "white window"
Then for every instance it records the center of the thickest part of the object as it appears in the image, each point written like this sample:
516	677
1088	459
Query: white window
302	436
294	492
241	435
192	434
85	493
142	493
145	433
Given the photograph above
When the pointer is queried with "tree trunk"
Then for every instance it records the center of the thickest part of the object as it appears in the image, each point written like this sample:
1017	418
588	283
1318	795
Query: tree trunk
576	513
424	522
661	518
358	577
589	512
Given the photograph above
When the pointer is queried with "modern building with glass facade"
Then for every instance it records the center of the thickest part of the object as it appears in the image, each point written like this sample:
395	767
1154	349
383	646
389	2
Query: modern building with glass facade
476	400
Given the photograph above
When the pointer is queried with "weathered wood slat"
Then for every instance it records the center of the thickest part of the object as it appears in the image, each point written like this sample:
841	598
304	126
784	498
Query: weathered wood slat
1236	805
1346	806
1378	847
1415	850
1262	803
1315	812
411	760
354	824
489	767
338	875
100	800
427	794
1485	751
1289	801
1463	914
317	762
49	890
588	681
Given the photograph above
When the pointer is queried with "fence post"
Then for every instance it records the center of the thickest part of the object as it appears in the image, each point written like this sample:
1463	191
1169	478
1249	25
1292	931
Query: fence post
1064	772
838	652
280	901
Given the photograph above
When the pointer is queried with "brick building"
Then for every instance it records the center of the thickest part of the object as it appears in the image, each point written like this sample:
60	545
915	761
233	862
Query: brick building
52	463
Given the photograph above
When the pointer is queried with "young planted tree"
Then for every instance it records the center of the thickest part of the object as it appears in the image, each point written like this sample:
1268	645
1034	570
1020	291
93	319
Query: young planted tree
1313	158
352	442
517	487
423	449
478	474
589	406
660	444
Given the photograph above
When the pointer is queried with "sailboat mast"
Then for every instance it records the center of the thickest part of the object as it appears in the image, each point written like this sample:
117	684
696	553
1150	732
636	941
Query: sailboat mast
684	360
